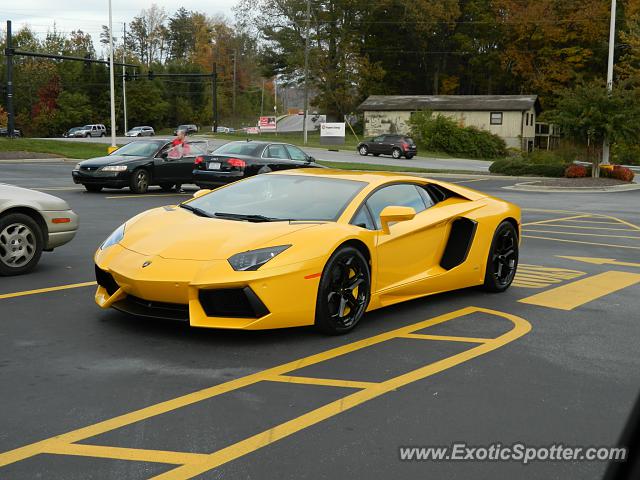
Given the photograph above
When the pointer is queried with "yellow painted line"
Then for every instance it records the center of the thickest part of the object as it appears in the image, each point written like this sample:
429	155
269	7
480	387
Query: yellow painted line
137	454
581	233
594	221
594	215
581	242
142	195
550	220
632	225
521	327
422	336
601	261
590	228
528	284
574	294
328	382
474	180
46	290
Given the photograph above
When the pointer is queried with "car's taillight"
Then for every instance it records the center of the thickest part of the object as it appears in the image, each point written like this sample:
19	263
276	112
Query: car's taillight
198	160
405	146
236	162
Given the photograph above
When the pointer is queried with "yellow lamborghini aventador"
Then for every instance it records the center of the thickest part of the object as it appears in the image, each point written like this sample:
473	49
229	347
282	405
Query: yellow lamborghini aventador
306	247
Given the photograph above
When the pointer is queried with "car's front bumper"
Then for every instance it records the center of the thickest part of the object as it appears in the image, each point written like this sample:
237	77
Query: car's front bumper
195	290
59	232
98	177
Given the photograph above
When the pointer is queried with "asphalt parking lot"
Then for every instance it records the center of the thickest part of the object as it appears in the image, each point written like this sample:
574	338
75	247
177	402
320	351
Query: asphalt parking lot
91	394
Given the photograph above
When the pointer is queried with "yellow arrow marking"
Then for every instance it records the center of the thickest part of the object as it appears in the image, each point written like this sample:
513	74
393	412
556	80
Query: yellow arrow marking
601	261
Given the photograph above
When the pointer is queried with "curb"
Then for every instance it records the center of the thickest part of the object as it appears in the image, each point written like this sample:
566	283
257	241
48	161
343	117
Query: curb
42	160
530	187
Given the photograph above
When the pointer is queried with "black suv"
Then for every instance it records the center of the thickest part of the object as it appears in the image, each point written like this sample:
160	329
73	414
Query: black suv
395	145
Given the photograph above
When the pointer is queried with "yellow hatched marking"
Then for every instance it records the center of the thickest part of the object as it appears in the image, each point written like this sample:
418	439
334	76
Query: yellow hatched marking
537	276
575	294
551	220
581	233
193	466
589	228
137	454
422	336
328	382
581	242
46	290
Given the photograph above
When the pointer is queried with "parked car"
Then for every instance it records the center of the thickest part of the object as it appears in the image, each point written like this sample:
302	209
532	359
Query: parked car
140	132
395	145
225	130
140	164
4	132
236	160
75	132
30	222
189	129
93	130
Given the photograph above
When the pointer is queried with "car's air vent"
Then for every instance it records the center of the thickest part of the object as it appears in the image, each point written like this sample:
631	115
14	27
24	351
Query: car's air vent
232	302
459	243
146	308
106	281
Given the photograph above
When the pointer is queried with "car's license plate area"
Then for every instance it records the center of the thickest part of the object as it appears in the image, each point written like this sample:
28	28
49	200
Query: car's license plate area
213	166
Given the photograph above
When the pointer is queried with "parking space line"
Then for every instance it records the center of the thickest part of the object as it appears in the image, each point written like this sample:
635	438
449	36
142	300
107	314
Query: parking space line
541	222
327	382
601	261
191	468
585	290
423	336
473	180
46	290
119	453
581	242
583	233
590	228
151	195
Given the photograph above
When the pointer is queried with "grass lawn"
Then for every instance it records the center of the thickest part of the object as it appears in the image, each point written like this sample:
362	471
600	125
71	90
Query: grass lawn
68	149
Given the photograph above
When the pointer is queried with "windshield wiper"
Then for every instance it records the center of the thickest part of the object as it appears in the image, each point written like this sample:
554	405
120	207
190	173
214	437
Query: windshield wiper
249	218
196	210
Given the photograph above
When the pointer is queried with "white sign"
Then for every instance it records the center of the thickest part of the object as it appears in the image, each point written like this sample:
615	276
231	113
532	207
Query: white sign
332	129
267	123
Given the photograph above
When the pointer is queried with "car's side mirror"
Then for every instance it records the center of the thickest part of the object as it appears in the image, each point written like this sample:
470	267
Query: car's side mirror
311	159
392	214
201	192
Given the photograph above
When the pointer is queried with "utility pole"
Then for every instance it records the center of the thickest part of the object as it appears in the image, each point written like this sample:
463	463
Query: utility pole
306	72
612	41
262	99
9	55
235	59
214	95
124	71
275	101
111	80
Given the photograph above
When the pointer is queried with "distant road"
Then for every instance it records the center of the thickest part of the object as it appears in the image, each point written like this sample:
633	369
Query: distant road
294	123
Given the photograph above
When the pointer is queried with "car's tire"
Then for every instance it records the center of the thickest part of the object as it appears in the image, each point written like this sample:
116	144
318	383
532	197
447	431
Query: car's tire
363	150
502	261
21	244
93	188
103	134
409	156
139	182
86	135
346	272
264	169
376	154
396	153
167	187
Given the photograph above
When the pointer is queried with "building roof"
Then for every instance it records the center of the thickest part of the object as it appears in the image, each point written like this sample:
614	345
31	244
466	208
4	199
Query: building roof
450	103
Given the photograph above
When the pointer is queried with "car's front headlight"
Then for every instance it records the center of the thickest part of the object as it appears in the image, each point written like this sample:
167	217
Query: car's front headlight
254	259
77	167
114	238
114	168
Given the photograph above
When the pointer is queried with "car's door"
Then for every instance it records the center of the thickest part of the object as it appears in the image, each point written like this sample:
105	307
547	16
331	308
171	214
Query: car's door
388	144
298	157
411	249
277	157
376	144
164	163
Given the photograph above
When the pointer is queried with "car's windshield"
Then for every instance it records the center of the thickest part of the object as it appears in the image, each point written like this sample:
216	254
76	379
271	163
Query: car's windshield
138	149
75	129
136	128
239	148
287	197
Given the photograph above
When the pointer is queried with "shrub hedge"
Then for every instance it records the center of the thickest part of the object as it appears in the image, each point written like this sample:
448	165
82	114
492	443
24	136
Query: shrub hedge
521	167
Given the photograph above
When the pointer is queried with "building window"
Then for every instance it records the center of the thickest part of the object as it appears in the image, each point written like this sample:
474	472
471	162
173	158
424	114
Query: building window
496	118
527	121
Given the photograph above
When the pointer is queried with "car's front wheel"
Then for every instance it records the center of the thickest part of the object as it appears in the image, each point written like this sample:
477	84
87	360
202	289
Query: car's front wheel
93	188
502	262
363	150
21	244
344	291
139	182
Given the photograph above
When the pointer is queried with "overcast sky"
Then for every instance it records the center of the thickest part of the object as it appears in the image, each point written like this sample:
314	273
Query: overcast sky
90	15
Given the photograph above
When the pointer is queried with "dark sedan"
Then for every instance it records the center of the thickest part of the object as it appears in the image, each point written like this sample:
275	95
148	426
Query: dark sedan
395	145
236	160
139	164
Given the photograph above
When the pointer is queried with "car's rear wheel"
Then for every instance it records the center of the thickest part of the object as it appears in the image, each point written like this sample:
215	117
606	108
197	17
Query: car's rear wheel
363	150
396	153
409	156
93	188
502	262
139	182
344	291
21	244
167	187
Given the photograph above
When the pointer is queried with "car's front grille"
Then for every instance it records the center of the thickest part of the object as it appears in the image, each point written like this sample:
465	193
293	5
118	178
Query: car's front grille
89	168
146	308
105	280
232	302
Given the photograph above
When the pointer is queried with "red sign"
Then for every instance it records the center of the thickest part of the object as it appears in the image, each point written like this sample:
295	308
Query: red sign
267	123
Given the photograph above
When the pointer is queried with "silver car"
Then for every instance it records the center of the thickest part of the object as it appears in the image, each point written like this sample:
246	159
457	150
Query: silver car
30	222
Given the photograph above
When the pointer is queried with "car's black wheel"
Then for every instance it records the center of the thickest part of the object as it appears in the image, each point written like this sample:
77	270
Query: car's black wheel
264	169
409	156
139	182
396	153
21	243
363	150
103	134
166	187
502	262
93	188
344	291
86	135
376	154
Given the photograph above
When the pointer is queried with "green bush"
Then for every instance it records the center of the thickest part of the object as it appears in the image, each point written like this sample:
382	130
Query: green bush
520	167
624	154
442	134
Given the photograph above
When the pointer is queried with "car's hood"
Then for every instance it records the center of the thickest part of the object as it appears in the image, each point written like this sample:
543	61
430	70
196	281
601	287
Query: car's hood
110	160
176	233
12	196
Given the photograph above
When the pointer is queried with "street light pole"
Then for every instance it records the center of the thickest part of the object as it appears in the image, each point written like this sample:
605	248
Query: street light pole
612	41
111	80
306	73
124	71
